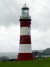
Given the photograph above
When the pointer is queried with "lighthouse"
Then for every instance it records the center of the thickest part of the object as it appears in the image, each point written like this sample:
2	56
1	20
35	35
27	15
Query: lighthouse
25	50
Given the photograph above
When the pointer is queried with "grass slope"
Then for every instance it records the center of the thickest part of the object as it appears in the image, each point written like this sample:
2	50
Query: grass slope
44	62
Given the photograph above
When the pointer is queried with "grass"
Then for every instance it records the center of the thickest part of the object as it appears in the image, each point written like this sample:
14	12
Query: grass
44	62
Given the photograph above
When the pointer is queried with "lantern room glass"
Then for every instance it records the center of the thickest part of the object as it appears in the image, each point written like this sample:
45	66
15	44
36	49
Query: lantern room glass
25	11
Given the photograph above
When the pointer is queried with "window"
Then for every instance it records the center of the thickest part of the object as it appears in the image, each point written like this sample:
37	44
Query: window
24	11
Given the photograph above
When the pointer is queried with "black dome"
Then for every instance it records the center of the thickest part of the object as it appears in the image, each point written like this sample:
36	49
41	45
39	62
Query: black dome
25	7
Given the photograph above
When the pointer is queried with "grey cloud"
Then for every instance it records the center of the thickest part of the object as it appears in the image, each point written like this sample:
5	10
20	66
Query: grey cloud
10	11
40	14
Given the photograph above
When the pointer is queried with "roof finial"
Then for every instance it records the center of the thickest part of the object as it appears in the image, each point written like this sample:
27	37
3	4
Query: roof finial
25	4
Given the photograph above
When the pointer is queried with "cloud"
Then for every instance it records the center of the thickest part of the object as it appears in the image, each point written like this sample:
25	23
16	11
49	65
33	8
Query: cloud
40	39
9	38
40	14
10	11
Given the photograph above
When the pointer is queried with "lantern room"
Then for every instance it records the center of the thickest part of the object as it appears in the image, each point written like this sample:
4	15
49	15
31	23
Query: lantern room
25	12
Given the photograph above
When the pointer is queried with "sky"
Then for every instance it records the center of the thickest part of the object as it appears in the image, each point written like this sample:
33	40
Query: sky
10	11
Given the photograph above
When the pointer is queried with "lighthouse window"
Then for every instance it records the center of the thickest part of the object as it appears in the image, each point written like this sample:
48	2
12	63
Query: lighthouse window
21	27
24	11
28	27
28	33
21	39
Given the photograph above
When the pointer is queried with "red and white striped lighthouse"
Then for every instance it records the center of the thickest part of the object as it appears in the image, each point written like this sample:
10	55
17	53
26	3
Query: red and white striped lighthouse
25	51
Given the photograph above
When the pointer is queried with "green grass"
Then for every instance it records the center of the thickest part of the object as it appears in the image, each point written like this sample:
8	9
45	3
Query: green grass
44	62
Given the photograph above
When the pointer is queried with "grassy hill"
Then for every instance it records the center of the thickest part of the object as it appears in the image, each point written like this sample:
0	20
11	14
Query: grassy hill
44	62
46	51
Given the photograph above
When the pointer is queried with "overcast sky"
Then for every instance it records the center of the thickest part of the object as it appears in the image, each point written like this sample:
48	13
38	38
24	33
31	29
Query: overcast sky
10	11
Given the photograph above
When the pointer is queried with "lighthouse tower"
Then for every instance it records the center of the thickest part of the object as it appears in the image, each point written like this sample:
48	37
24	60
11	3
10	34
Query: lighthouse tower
25	51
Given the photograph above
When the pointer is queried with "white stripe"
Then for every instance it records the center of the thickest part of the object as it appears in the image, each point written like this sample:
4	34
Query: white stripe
25	48
24	30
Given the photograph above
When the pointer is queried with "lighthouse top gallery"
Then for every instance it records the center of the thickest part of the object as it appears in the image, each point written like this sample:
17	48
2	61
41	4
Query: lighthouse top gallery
25	50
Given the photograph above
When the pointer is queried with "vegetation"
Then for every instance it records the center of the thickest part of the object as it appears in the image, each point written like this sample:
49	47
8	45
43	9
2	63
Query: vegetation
47	51
44	62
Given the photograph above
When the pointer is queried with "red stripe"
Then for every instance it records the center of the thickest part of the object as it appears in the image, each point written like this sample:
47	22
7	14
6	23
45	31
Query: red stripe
25	23
25	57
24	19
25	39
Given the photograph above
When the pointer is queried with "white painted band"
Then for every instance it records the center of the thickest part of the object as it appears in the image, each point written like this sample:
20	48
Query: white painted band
25	48
25	30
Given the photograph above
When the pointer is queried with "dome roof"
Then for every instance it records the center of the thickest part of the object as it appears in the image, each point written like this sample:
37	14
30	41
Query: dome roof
25	7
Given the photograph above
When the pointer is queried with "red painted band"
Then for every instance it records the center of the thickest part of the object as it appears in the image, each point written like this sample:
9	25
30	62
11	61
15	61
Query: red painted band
25	39
25	57
24	19
25	23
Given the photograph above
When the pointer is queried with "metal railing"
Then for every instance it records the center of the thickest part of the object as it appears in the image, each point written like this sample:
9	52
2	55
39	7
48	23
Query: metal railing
26	17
